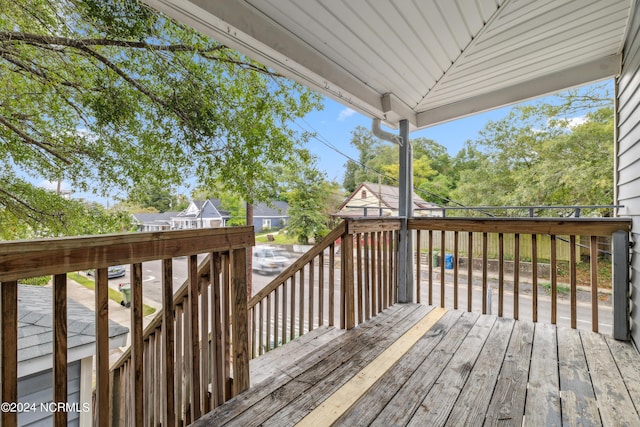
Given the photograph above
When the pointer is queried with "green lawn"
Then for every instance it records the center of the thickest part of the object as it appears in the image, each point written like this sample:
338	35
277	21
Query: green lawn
279	239
113	294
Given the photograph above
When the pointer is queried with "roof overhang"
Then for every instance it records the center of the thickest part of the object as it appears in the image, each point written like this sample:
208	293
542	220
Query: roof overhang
428	62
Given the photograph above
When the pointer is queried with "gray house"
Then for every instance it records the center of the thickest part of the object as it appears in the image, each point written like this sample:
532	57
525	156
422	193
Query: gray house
210	214
35	360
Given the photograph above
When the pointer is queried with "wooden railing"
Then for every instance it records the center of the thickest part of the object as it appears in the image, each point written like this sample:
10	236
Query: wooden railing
469	268
345	279
168	377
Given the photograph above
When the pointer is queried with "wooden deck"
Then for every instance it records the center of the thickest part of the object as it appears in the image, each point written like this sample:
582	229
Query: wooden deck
418	365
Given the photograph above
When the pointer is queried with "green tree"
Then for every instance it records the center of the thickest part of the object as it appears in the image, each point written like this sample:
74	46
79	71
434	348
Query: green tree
310	199
151	194
106	94
540	154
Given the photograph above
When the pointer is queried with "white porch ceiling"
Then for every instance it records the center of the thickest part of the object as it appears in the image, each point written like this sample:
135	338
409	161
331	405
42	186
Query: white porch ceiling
428	61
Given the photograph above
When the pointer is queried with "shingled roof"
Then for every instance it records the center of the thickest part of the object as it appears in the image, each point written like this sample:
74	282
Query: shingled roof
35	337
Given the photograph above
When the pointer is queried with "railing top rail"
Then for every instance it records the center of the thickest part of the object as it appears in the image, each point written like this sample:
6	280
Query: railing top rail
298	264
556	226
368	225
22	259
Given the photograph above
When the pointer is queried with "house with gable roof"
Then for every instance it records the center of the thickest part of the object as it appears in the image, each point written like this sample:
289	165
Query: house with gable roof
371	199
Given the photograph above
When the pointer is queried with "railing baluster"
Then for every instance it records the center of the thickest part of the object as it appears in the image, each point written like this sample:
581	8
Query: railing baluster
217	382
292	324
301	304
9	337
593	255
374	277
534	276
500	274
226	326
554	281
348	282
311	301
179	351
469	271
381	262
59	321
443	258
456	257
276	316
261	328
284	311
321	289
204	344
516	276
101	295
385	268
484	273
418	265
168	328
430	281
574	282
194	338
137	343
359	277
268	326
332	275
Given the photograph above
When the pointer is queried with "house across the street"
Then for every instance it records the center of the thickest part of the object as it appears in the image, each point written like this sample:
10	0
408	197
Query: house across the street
381	200
210	214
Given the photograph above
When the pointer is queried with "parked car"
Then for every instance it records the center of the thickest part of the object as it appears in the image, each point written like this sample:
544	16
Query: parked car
267	260
113	272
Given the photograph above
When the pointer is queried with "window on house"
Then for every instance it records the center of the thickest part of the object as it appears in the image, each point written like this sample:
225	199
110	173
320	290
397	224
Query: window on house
364	194
266	223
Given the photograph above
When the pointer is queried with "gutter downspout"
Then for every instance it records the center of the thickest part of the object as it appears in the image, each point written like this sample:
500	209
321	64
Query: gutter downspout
405	207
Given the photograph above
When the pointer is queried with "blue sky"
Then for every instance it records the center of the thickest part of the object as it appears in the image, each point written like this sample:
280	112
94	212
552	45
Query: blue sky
335	123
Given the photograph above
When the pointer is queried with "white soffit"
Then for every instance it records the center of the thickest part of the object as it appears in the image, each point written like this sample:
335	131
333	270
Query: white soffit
427	61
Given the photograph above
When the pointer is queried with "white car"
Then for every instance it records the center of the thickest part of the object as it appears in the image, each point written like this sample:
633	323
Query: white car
267	260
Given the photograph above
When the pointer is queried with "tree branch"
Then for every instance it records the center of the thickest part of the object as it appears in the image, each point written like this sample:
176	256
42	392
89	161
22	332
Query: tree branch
39	39
32	141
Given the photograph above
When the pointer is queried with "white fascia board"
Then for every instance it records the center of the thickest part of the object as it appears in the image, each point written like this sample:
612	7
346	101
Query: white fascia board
600	69
241	27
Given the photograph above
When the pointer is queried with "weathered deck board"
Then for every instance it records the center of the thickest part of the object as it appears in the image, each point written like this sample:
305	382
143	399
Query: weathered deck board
507	404
467	369
371	404
475	397
579	406
543	397
616	407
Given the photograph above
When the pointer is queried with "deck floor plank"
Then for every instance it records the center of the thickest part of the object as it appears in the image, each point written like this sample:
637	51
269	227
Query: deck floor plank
335	374
626	358
508	401
543	394
279	359
579	405
417	386
475	397
366	410
616	407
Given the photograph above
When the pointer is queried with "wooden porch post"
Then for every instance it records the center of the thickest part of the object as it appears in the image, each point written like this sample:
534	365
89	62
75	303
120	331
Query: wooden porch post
405	240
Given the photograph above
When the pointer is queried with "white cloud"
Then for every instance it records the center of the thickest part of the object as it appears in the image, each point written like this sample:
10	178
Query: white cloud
344	114
577	121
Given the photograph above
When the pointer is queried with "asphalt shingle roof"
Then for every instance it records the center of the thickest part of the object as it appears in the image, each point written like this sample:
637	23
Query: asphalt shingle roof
35	335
